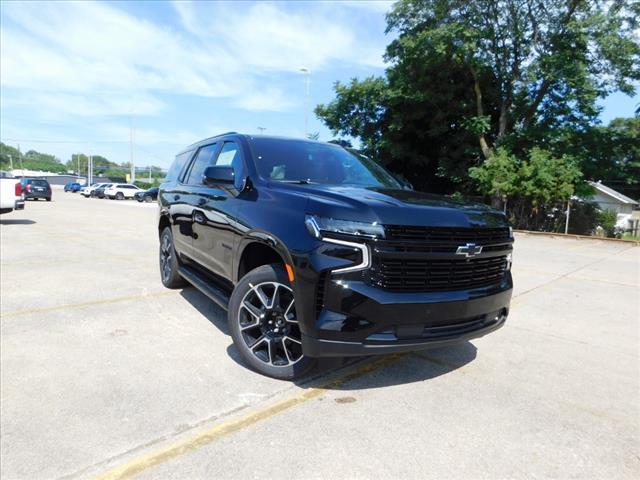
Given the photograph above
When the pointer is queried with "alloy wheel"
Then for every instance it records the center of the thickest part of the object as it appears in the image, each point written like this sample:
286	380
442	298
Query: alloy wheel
166	252
268	324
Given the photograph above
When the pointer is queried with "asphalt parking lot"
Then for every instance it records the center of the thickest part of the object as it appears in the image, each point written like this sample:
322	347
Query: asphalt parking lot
104	373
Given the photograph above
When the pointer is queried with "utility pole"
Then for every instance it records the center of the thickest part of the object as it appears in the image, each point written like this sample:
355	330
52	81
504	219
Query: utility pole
20	158
307	79
11	164
566	224
131	141
261	130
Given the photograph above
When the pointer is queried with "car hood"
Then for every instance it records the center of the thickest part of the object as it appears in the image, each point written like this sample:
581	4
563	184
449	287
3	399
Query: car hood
393	206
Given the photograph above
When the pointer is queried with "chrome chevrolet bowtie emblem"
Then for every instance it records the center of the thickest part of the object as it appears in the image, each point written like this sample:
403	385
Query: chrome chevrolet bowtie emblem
469	250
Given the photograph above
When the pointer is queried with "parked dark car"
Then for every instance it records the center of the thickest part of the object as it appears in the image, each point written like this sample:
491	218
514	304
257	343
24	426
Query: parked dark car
72	187
147	195
99	192
318	251
35	188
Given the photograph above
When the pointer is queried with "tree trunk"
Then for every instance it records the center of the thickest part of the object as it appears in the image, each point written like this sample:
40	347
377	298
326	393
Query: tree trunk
484	146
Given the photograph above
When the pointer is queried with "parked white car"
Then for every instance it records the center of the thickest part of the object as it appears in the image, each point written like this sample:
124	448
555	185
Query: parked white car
120	191
86	191
11	194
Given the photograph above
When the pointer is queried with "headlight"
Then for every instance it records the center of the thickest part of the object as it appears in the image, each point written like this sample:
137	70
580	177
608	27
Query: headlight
319	225
510	232
509	262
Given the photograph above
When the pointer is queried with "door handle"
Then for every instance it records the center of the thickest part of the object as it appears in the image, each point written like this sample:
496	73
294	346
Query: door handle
176	197
199	217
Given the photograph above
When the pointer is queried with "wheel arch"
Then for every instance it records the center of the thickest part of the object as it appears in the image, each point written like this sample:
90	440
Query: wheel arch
163	222
256	251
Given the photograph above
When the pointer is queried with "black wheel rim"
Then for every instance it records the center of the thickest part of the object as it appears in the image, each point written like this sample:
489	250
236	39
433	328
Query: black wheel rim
166	253
269	326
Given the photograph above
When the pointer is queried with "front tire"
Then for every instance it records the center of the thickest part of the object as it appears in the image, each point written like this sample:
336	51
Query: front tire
169	263
264	326
119	196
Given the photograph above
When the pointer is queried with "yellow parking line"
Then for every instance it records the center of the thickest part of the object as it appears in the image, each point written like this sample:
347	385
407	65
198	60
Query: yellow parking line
69	306
138	465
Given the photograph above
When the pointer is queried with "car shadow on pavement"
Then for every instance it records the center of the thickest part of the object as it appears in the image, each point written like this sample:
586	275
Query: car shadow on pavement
17	221
395	370
207	308
400	369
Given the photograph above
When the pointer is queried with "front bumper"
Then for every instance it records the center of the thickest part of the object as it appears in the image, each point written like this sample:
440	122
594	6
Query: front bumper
360	319
317	347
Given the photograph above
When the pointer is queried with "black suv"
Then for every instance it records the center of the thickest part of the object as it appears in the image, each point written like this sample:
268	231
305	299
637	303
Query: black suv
315	250
35	188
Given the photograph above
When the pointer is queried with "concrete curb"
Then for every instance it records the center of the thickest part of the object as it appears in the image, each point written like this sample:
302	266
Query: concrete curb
577	237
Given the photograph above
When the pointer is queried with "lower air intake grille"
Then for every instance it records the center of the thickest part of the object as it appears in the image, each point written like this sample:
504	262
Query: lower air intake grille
410	275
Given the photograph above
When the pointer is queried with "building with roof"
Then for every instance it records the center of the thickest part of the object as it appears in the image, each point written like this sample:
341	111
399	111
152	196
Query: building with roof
609	199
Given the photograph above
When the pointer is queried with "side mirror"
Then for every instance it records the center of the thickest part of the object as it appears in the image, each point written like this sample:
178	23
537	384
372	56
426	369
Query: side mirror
218	174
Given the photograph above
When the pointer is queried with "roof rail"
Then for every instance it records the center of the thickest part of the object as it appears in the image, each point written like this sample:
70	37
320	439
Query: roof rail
225	133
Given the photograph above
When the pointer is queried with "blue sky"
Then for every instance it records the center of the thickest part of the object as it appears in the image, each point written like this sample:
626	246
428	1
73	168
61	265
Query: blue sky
74	75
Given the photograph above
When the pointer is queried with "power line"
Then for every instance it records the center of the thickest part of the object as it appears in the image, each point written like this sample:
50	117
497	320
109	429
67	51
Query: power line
61	141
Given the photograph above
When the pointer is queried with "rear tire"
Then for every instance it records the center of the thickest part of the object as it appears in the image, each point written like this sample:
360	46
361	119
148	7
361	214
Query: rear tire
264	325
119	196
169	263
148	199
48	199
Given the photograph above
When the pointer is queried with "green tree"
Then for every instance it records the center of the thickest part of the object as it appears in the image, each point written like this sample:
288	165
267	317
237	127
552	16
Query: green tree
467	77
537	65
610	154
34	160
79	163
9	155
534	185
607	220
498	175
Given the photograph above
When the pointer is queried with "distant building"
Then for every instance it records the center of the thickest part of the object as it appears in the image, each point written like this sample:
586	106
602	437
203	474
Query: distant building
609	199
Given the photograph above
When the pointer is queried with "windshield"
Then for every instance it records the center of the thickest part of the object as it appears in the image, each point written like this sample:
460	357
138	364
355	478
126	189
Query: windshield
39	183
303	161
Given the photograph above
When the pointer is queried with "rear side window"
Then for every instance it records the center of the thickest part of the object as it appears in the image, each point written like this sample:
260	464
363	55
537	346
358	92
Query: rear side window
178	166
203	159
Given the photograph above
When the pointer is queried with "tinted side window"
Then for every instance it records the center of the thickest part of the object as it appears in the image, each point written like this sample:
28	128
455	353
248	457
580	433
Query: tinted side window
177	166
230	156
203	159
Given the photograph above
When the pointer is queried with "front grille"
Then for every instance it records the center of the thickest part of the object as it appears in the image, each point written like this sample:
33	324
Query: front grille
447	235
443	239
426	275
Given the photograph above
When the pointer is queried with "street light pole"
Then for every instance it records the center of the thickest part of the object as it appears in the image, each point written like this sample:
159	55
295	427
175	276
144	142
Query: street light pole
131	140
307	79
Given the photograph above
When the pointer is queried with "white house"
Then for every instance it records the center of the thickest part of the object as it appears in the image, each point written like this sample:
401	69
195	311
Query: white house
609	199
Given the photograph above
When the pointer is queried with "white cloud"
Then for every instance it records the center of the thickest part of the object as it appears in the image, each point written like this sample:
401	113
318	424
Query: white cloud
379	6
87	63
117	62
